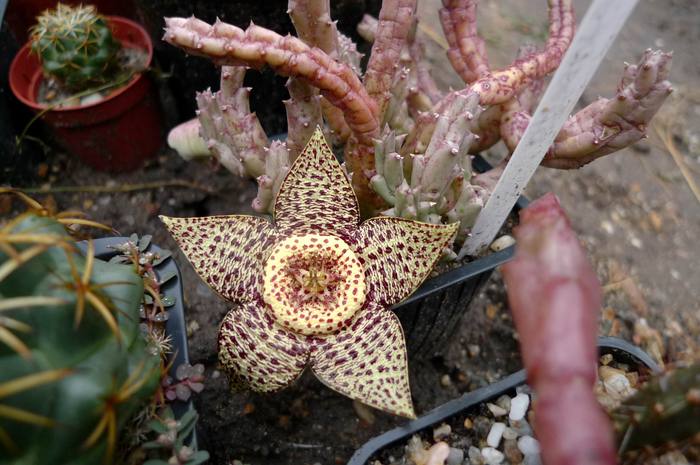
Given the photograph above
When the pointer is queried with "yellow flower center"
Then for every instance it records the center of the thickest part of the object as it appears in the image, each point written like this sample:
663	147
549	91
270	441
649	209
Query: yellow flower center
313	284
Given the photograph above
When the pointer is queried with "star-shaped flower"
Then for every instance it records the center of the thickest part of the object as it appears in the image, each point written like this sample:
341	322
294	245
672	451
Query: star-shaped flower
313	289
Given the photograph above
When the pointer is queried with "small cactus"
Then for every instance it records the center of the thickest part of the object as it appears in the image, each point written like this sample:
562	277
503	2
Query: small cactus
73	365
76	46
665	409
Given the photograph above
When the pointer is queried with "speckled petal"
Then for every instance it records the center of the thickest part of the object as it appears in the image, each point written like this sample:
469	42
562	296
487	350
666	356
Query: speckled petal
316	196
226	251
258	354
399	254
367	362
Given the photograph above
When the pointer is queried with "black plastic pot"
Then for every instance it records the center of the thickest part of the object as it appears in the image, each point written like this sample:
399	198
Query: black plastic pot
431	315
175	326
622	350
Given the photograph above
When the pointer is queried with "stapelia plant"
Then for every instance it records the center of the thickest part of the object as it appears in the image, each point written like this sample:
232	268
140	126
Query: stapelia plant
555	297
312	288
406	143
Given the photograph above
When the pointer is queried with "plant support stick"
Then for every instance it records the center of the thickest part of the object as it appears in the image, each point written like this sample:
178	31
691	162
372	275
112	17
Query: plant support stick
597	32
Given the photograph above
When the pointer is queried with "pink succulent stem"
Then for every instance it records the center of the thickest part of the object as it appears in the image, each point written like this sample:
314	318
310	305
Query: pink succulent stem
367	27
555	297
312	21
500	86
467	50
609	125
231	132
606	125
395	20
424	79
303	115
226	44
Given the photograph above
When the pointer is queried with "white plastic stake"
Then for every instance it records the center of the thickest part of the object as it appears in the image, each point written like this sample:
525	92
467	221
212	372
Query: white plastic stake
595	35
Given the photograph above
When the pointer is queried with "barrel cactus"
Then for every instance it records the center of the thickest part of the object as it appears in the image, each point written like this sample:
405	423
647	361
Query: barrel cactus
73	365
76	46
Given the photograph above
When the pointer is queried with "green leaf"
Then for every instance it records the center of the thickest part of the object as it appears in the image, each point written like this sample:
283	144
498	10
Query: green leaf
165	277
162	256
158	426
167	301
200	456
144	242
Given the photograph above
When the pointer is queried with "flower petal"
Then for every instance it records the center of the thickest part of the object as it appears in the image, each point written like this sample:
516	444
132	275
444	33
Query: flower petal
226	251
316	196
258	354
399	254
367	361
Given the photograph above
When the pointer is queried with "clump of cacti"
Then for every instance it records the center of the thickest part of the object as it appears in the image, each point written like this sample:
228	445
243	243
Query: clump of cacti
406	143
76	46
74	367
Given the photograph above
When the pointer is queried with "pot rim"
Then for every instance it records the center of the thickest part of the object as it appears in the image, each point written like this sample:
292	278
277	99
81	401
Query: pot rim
605	344
32	103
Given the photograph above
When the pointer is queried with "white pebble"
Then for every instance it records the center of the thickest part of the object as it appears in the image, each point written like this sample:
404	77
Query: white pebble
502	243
475	457
518	407
529	445
442	431
456	457
532	460
494	437
496	410
91	98
492	456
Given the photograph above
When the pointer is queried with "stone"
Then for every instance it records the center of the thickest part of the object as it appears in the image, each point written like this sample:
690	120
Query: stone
512	453
510	433
518	407
522	427
529	445
496	410
495	435
615	383
492	456
475	457
502	242
441	432
504	402
455	457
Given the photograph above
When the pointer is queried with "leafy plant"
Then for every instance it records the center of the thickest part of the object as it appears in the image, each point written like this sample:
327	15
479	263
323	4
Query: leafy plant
172	438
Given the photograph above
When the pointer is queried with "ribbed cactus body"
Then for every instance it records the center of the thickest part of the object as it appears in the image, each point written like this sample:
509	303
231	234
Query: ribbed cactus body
76	46
665	409
106	375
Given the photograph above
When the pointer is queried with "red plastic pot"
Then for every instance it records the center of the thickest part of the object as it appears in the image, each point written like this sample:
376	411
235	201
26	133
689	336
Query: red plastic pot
115	134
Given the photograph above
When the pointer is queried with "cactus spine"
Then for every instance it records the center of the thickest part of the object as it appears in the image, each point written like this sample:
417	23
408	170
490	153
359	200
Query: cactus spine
76	46
73	365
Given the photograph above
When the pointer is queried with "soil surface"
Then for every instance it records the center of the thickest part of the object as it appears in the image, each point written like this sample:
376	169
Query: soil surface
635	213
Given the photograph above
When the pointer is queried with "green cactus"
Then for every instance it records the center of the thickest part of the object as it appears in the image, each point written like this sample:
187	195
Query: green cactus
665	409
73	365
76	46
